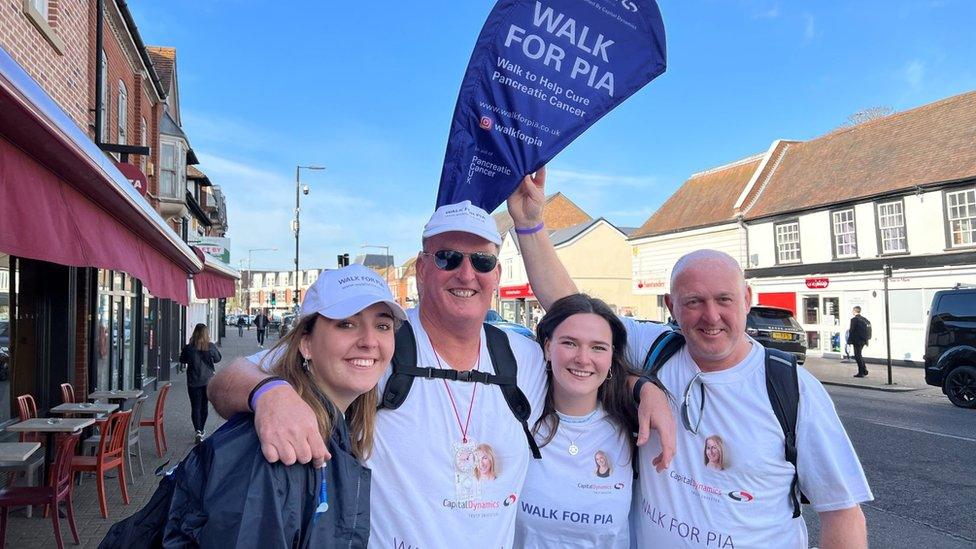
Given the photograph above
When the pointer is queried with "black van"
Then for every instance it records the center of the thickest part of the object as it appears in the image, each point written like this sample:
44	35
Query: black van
776	328
950	345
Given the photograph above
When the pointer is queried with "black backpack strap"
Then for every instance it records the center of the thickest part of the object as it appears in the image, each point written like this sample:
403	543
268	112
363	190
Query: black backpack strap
404	358
506	368
663	348
783	388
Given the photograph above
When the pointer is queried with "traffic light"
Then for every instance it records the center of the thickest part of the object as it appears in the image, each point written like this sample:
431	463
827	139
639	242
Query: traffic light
272	298
343	260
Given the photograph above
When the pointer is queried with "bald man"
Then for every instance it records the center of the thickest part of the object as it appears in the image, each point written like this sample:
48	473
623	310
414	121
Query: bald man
737	493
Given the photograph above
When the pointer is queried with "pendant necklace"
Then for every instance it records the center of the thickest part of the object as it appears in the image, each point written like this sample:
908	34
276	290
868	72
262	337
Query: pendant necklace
573	448
450	394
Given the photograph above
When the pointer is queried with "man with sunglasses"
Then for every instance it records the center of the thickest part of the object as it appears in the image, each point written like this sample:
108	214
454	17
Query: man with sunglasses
425	491
719	384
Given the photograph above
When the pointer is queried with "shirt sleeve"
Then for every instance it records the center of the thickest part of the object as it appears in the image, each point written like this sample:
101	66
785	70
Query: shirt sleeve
640	337
829	469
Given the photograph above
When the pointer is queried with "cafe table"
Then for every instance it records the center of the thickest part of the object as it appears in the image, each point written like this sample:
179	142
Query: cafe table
17	452
50	427
117	396
85	408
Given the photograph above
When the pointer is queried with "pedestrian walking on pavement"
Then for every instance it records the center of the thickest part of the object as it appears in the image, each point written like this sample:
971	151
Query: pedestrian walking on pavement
199	355
224	491
261	324
240	326
860	334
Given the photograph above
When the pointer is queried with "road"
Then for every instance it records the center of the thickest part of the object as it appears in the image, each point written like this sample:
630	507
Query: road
919	454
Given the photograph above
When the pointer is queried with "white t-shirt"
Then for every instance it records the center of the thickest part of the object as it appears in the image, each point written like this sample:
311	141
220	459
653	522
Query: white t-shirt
567	501
746	502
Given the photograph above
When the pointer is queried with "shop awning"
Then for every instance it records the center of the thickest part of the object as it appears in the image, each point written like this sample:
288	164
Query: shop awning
216	280
63	201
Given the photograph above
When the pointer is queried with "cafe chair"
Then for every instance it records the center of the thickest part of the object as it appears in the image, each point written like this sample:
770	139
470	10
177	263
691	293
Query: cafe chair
57	491
67	393
159	430
31	468
111	455
90	444
28	410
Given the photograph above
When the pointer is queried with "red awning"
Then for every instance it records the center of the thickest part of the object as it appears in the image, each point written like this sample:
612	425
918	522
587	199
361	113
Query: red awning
514	292
216	280
62	200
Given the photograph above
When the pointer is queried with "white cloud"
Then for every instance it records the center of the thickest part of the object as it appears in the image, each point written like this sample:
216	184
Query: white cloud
809	28
914	72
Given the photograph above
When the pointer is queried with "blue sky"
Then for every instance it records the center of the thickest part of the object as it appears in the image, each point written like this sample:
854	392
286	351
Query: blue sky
367	89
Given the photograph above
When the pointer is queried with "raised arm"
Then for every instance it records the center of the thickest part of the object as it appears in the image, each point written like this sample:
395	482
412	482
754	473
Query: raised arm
285	424
547	275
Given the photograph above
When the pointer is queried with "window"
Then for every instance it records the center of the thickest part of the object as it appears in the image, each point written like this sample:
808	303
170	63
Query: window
788	242
106	101
961	213
167	170
891	225
123	114
41	6
143	160
845	238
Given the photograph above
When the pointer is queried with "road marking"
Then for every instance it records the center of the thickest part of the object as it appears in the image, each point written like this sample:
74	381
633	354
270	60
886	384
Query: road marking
926	431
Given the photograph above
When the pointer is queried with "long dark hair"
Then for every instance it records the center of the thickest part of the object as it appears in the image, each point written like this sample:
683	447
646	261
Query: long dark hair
613	394
201	337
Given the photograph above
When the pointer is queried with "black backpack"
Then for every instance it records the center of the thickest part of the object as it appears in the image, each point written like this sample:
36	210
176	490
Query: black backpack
405	370
782	386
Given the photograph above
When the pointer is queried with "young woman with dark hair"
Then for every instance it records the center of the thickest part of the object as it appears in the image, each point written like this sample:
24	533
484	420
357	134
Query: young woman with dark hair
199	355
589	417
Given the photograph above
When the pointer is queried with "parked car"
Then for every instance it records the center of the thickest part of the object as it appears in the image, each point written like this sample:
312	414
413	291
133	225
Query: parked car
230	320
496	319
286	323
950	345
777	329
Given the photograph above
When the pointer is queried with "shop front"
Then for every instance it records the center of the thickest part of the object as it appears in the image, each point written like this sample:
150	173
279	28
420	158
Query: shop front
80	250
823	305
518	304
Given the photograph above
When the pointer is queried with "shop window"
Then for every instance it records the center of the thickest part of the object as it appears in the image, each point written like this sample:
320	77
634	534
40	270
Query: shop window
961	216
123	105
845	237
6	341
788	242
891	227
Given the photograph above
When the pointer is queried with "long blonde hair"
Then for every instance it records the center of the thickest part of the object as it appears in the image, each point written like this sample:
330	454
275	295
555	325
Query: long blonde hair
361	414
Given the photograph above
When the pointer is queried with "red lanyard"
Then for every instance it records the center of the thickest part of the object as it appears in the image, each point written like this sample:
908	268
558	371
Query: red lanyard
467	423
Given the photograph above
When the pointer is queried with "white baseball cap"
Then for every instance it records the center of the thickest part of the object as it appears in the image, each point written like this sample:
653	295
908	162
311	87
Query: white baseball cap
342	293
463	217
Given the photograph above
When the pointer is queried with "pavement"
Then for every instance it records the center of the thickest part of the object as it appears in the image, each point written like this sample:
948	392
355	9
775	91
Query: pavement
37	532
831	371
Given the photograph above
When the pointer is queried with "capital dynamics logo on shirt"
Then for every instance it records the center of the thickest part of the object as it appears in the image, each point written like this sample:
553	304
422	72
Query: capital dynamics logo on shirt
741	495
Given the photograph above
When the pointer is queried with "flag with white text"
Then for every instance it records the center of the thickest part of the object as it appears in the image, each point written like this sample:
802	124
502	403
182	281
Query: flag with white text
541	73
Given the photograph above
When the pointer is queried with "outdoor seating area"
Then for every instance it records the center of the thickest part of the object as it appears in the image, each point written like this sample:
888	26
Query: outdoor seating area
53	454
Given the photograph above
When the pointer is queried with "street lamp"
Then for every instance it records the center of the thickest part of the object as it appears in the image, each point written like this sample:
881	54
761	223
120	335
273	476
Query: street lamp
298	209
386	265
886	274
250	274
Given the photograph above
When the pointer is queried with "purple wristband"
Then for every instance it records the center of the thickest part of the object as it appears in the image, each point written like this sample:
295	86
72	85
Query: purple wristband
530	230
264	389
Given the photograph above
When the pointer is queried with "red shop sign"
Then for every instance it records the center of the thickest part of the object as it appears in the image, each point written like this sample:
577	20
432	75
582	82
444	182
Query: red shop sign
513	292
818	283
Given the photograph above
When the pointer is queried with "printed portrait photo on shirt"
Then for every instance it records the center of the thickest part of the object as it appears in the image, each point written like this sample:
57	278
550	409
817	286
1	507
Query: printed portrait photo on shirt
486	466
604	467
715	456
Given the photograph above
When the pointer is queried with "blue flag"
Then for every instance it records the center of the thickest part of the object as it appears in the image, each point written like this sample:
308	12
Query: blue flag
542	72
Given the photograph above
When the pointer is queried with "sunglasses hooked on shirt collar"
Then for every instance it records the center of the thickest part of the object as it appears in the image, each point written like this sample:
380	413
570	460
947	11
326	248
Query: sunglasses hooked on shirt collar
448	260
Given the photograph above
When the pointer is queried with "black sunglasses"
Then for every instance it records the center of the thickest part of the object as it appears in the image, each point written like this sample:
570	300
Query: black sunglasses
448	260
